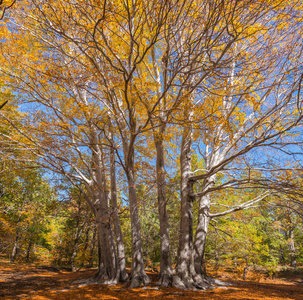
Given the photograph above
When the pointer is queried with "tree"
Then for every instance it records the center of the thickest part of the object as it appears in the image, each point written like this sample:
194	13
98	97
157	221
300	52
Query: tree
102	77
26	201
244	115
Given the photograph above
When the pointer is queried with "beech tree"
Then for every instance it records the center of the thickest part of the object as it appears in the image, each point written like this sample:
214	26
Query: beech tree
58	127
99	76
249	109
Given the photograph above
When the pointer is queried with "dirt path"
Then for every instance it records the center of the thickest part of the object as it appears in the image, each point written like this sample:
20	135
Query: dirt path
34	282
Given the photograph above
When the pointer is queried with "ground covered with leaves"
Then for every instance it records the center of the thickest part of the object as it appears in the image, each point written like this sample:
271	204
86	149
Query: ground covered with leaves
21	281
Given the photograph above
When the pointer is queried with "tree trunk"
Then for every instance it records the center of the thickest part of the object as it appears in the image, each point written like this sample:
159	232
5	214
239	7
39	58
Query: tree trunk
282	257
92	249
292	248
122	274
184	263
189	270
15	248
138	274
75	248
165	262
107	267
86	241
202	227
29	249
201	233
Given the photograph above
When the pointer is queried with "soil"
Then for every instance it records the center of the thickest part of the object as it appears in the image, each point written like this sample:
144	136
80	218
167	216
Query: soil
24	281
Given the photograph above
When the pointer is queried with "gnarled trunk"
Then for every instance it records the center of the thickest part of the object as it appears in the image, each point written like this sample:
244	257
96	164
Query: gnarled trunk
138	274
189	270
107	268
184	264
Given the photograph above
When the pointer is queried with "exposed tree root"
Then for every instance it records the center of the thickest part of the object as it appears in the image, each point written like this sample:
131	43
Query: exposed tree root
139	279
165	280
198	282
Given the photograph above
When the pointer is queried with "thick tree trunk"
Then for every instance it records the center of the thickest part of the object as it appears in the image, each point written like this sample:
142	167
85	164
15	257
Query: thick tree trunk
107	267
201	233
189	270
200	238
72	259
184	266
108	261
138	274
122	274
165	260
292	248
165	263
202	227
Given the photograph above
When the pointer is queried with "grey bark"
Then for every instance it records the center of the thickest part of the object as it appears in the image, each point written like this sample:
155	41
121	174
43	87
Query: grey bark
107	260
201	233
291	241
292	248
137	271
122	274
183	268
189	270
165	259
107	268
202	227
15	247
165	263
138	274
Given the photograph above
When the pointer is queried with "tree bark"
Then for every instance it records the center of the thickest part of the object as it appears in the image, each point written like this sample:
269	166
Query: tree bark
92	248
138	274
15	247
184	263
165	262
29	248
202	227
107	267
292	248
76	244
122	274
201	233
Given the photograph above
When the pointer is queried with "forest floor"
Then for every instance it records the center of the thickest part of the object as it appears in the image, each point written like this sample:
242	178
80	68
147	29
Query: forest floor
29	281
